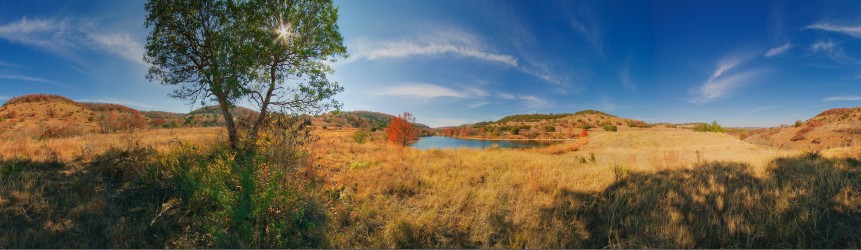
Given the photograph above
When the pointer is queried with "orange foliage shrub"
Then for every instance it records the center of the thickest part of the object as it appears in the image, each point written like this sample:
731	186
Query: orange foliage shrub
112	121
448	132
583	133
402	130
157	122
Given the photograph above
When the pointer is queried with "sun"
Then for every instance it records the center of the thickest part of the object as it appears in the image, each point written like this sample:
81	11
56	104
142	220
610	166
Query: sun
284	31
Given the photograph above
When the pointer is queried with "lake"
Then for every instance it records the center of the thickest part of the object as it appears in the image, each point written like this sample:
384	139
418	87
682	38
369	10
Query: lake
443	142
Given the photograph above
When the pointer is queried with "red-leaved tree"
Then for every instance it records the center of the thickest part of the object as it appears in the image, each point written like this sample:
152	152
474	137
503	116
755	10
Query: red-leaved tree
401	130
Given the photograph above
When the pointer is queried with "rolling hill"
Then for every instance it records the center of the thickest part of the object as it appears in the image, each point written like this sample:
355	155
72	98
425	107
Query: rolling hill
360	119
45	116
543	126
51	116
839	127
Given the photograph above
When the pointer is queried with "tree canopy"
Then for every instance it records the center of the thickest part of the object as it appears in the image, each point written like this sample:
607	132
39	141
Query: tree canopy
274	53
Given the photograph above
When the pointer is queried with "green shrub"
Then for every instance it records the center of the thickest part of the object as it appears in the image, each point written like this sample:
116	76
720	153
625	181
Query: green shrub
242	200
638	124
611	128
713	127
361	136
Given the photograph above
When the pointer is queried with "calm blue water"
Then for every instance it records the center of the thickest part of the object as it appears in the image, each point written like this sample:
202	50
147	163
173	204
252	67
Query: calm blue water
442	142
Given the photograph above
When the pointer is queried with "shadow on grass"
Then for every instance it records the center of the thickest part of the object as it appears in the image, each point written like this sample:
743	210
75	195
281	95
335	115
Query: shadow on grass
80	205
804	202
138	198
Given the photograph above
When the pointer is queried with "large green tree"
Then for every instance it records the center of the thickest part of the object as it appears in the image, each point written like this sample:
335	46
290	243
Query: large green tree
274	53
296	39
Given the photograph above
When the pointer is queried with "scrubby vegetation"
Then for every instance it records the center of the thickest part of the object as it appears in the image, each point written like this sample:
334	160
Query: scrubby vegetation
531	117
38	98
712	127
347	194
188	197
611	128
504	198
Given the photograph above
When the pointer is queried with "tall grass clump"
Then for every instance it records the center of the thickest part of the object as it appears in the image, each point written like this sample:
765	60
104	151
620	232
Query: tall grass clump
713	127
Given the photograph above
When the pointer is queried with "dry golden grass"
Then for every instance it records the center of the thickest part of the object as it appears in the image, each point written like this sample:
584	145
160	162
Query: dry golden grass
564	147
88	145
645	188
663	187
669	148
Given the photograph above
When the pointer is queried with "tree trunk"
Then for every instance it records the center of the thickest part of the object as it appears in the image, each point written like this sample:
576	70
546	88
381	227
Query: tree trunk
265	105
228	122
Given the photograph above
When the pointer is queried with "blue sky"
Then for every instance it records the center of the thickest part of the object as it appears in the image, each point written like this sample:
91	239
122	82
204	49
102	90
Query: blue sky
742	63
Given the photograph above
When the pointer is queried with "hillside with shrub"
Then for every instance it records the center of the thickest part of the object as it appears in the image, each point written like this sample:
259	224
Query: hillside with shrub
839	127
373	121
544	126
46	116
210	116
40	116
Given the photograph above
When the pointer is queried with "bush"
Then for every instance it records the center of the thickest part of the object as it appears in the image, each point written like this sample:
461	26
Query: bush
713	127
361	136
611	128
550	129
638	124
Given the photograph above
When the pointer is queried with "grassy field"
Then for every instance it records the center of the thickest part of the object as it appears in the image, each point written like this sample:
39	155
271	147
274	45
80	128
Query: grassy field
659	187
86	146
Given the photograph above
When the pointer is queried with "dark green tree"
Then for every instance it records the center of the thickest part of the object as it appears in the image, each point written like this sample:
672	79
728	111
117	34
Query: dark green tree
296	39
272	52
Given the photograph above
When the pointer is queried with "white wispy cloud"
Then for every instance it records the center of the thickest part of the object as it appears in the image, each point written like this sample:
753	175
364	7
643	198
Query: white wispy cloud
121	44
476	91
67	38
116	101
854	31
25	78
823	46
591	32
506	96
543	72
421	90
714	90
842	98
533	102
444	42
720	83
50	35
777	50
480	104
11	65
727	64
454	42
834	51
